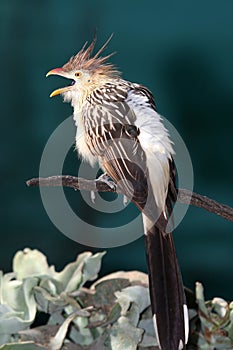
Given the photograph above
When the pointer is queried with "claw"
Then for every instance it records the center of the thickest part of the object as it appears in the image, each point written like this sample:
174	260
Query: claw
107	180
125	200
93	197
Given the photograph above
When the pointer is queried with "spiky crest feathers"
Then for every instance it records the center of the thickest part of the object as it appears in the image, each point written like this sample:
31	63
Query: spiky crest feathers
95	64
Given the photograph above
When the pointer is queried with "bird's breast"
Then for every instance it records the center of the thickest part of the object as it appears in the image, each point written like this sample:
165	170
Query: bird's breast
81	142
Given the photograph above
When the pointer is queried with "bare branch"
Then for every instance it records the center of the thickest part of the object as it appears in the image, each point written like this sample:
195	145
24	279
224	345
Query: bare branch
184	196
77	183
197	200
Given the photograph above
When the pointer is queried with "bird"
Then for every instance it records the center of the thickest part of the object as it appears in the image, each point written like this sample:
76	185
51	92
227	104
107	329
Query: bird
119	128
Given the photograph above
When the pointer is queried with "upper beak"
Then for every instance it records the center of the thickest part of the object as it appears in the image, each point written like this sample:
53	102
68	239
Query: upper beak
58	71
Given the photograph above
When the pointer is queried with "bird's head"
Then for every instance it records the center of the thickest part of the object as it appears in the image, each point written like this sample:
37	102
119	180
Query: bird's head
85	72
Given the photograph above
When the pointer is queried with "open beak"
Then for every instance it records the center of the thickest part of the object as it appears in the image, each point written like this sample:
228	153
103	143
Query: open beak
58	71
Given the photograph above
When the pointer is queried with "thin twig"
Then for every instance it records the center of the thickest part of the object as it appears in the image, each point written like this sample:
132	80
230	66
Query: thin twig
184	196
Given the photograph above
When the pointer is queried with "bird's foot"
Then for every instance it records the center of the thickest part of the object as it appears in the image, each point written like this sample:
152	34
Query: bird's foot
107	180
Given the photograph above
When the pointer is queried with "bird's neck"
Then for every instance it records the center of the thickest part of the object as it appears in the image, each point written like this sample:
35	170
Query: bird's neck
79	97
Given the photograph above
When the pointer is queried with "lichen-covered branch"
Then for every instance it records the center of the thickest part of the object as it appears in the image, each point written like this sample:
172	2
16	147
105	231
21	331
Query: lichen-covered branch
184	196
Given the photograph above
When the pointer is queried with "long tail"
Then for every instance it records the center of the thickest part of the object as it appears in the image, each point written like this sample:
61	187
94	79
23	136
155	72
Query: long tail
169	308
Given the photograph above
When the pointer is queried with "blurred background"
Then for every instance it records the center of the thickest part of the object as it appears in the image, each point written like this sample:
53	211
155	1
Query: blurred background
182	51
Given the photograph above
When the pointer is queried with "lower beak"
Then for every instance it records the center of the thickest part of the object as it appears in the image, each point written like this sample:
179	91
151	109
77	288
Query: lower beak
57	71
59	91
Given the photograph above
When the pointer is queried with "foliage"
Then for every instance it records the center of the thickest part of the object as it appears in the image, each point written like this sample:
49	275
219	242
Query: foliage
216	322
113	313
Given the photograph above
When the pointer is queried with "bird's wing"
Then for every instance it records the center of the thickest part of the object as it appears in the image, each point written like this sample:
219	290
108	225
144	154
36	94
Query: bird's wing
112	136
127	135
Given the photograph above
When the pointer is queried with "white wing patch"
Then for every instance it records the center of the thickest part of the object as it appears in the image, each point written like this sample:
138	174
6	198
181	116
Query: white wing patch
154	140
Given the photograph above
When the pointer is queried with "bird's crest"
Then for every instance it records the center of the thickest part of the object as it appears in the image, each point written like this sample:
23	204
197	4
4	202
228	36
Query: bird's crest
83	59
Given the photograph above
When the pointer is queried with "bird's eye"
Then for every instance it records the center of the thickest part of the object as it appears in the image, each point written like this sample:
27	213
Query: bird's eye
78	74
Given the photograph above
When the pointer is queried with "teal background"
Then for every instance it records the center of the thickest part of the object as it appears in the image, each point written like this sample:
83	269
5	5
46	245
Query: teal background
181	50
